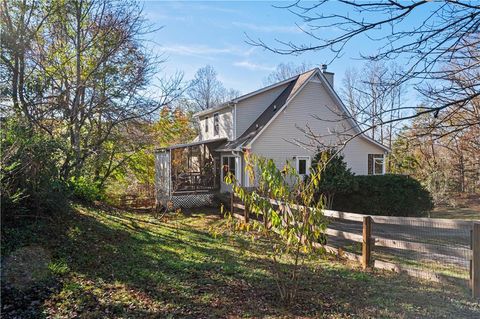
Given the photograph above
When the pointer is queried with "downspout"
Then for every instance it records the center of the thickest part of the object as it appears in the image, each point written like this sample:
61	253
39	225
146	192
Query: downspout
170	177
234	121
247	178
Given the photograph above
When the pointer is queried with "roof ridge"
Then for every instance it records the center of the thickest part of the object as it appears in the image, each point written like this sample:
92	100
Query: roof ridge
255	92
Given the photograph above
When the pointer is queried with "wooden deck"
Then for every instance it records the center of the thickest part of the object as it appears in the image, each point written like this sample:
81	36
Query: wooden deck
194	182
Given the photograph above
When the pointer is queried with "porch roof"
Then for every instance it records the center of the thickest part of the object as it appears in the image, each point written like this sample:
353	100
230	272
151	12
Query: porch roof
191	144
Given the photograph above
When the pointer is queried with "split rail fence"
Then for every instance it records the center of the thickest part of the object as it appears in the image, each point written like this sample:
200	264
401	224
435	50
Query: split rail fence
440	250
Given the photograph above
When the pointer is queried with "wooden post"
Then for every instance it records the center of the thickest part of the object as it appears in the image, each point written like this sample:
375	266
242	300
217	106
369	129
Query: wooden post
246	213
232	198
475	264
265	221
367	242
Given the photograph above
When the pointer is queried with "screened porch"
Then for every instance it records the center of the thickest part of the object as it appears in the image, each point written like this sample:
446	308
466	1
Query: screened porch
185	169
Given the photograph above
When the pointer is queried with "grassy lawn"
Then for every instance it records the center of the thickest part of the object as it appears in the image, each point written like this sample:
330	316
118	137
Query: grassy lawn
469	213
462	208
92	263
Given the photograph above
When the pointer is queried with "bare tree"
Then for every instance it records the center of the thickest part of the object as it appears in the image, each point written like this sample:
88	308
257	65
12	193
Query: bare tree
78	70
285	71
367	103
207	91
425	36
349	93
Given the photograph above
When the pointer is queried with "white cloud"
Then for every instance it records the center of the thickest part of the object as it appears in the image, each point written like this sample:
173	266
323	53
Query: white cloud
268	28
159	17
195	49
253	66
205	50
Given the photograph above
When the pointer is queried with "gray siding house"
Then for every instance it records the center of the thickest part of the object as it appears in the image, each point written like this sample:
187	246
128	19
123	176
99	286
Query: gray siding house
269	123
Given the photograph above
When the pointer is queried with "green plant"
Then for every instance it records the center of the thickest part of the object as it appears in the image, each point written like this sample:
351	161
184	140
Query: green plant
335	176
390	195
29	173
292	227
84	189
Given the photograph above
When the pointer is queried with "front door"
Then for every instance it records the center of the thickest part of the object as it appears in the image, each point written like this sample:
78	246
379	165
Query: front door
230	163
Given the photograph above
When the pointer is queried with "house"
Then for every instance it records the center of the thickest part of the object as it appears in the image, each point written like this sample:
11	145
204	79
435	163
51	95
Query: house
267	122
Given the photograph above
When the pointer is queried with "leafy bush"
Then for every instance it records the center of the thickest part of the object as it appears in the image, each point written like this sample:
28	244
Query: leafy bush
29	173
389	195
335	177
84	189
288	231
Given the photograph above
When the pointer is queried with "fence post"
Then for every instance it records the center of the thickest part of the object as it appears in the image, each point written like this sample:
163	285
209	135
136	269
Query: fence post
265	221
475	264
232	197
367	242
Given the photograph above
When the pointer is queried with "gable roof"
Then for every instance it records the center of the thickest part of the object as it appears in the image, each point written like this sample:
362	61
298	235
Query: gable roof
246	96
295	85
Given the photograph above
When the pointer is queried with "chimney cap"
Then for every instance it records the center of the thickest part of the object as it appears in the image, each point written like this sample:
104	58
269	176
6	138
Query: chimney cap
324	67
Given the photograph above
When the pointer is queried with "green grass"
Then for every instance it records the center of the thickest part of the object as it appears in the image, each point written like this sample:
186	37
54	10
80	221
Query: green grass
122	265
467	213
406	259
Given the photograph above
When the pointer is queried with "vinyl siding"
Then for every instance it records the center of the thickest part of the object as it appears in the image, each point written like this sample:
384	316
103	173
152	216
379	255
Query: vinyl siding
225	118
277	141
250	109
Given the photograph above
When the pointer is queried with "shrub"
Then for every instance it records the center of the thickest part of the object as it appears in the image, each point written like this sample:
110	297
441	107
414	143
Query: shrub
29	173
335	177
288	231
389	195
84	189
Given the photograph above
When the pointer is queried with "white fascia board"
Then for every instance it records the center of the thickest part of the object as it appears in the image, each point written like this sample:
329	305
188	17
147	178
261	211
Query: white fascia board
264	89
243	97
212	110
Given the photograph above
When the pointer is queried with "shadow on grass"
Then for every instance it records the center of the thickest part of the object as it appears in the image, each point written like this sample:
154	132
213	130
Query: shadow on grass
124	265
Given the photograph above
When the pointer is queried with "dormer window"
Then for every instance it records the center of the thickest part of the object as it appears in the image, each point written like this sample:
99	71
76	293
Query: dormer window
216	124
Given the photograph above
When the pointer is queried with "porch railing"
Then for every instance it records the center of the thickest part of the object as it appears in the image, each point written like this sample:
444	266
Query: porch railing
194	182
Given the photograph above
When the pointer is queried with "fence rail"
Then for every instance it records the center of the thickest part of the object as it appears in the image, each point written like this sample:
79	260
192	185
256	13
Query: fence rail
446	242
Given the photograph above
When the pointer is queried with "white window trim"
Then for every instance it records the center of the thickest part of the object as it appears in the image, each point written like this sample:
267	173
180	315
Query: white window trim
238	171
297	166
373	166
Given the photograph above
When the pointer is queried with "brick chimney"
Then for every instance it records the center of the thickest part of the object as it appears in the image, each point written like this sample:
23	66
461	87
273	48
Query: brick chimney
328	75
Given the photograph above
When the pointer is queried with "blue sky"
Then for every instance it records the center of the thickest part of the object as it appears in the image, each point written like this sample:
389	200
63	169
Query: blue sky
196	33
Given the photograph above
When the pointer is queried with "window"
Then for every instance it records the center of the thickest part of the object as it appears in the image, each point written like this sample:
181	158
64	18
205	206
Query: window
216	126
206	124
302	165
375	164
229	165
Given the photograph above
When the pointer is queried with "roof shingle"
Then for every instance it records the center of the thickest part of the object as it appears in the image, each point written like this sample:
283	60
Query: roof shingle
287	94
